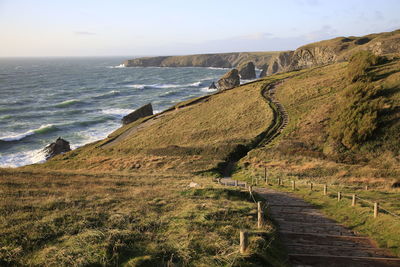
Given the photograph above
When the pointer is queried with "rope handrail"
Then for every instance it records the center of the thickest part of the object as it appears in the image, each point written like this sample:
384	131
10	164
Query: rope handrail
299	182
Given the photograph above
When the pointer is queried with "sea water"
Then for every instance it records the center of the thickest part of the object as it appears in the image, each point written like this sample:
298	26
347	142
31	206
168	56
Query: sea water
81	100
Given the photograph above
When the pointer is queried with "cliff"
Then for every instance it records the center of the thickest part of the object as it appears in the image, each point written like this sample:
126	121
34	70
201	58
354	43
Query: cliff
311	55
334	50
224	60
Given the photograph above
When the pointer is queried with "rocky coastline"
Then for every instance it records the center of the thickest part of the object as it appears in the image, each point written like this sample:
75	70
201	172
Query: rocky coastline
311	55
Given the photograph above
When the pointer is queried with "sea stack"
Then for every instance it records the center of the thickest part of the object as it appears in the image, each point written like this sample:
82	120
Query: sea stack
247	70
58	147
230	80
212	86
144	111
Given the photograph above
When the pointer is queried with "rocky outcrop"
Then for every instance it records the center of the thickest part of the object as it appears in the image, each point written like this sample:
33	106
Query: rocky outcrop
230	80
334	50
212	86
58	147
144	111
247	70
263	72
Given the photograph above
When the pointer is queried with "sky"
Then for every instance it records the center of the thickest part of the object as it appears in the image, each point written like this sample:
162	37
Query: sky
37	28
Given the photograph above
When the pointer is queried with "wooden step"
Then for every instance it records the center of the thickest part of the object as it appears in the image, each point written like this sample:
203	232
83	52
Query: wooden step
336	261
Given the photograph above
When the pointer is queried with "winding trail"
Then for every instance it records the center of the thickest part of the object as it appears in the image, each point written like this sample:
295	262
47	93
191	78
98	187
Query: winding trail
310	237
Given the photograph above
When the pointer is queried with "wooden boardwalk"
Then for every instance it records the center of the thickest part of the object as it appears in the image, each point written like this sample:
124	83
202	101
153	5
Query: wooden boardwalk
312	239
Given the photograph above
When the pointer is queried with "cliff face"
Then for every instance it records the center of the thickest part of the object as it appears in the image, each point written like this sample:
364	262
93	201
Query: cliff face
223	60
311	55
334	50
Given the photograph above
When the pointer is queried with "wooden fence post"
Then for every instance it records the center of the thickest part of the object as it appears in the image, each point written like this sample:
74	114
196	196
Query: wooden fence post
376	208
244	241
265	175
339	196
260	214
311	186
353	200
293	185
325	189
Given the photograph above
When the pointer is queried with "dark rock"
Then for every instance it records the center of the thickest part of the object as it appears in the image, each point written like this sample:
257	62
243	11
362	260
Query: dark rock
396	184
58	147
263	72
144	111
230	80
212	86
247	70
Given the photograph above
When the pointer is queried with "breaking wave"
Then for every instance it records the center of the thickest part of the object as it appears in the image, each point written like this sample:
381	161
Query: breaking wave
41	130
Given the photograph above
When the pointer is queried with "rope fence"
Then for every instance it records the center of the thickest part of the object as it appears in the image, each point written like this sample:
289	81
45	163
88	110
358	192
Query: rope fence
296	183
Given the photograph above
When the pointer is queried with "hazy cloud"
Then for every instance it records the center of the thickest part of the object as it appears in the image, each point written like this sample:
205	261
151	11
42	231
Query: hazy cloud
309	2
84	33
325	32
378	15
255	36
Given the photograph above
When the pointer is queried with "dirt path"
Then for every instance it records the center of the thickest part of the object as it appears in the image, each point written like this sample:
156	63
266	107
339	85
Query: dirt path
312	239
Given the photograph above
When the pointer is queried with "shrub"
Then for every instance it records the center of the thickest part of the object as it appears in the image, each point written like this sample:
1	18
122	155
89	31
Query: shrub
359	64
357	119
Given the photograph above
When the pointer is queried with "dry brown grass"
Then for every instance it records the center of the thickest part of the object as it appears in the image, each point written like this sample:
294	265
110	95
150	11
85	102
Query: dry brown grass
79	219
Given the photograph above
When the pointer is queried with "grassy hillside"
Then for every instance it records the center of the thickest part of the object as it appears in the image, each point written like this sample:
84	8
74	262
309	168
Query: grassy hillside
186	139
125	200
89	219
324	108
344	47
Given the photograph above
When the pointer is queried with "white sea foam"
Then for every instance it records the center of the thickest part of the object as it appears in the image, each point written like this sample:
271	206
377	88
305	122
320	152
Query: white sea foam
215	68
164	86
208	90
137	86
196	84
118	112
42	129
22	158
67	103
113	92
116	67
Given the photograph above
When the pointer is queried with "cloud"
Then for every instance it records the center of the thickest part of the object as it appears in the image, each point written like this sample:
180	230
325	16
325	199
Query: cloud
255	36
84	33
309	2
325	32
378	15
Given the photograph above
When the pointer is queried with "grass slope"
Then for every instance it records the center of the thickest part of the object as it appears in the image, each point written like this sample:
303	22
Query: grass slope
320	100
125	200
193	138
67	219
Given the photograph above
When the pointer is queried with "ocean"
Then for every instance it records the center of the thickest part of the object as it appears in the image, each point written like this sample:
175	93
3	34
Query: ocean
81	100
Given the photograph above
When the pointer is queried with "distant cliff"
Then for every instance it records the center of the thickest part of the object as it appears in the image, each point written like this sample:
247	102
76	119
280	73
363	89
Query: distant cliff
224	60
315	54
